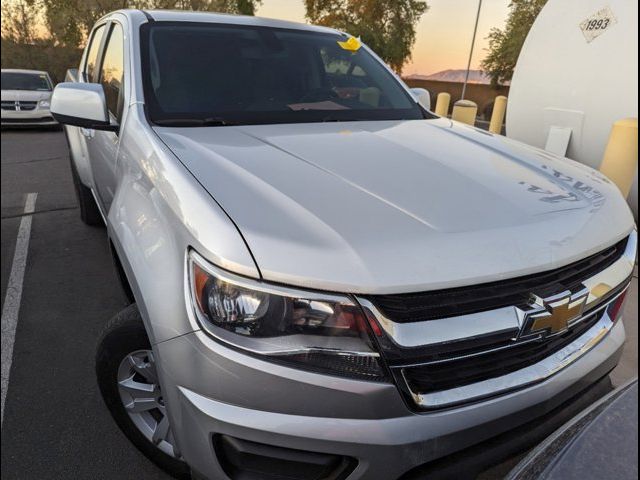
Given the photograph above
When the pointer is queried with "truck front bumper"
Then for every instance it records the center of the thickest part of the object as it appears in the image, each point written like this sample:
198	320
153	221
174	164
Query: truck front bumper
214	392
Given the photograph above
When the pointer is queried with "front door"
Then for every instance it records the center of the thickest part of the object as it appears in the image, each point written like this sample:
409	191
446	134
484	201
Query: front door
103	145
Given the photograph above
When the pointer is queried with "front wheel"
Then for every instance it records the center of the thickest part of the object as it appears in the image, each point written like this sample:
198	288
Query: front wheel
128	381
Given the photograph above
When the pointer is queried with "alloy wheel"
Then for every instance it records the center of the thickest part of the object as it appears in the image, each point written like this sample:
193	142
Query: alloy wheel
142	399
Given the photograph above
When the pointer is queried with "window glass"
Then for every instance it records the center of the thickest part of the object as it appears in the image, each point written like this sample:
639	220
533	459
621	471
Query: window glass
25	81
249	74
113	70
92	55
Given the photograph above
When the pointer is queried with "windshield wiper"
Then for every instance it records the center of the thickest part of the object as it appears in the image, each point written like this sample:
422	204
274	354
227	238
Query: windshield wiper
196	122
330	118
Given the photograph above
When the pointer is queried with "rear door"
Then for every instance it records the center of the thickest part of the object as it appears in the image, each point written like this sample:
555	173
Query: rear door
103	145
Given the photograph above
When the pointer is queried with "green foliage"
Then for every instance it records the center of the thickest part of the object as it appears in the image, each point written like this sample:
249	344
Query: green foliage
40	55
48	34
69	21
387	26
505	44
19	19
242	7
25	45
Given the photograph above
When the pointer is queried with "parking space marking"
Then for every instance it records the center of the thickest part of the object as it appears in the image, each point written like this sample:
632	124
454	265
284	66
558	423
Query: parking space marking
11	305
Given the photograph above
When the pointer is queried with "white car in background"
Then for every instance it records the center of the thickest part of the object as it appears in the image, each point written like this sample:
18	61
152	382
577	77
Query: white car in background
25	98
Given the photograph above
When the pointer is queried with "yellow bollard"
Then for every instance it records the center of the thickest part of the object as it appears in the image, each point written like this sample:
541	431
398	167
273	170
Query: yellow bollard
497	116
620	160
465	111
442	104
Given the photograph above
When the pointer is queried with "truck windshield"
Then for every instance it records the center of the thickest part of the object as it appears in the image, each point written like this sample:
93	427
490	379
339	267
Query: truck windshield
25	81
212	74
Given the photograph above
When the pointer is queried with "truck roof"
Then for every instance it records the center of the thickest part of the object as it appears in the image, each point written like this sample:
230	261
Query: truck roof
225	18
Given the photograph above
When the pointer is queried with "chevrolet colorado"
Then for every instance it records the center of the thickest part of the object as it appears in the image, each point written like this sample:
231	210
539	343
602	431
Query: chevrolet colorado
326	279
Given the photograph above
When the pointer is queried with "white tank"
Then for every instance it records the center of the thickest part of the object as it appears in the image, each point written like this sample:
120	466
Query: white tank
578	69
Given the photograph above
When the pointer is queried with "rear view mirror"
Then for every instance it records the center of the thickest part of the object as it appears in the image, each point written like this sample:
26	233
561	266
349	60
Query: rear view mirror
81	105
423	97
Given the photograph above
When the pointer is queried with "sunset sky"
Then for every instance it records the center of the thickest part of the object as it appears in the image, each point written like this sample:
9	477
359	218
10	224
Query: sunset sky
444	32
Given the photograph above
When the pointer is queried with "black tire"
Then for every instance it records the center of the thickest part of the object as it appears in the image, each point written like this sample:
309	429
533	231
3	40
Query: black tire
89	212
124	334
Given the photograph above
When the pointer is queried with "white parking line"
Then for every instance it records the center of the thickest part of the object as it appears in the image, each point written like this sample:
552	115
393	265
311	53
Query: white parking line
11	305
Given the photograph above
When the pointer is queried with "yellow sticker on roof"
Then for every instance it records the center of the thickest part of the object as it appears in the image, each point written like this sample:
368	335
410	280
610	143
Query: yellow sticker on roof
353	44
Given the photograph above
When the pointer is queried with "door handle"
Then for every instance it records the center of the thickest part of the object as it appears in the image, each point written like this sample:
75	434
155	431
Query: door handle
88	132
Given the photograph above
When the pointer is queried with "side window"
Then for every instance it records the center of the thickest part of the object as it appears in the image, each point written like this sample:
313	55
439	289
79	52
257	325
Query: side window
112	72
91	65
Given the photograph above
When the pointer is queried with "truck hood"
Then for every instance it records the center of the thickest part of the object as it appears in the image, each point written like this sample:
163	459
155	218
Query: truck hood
399	206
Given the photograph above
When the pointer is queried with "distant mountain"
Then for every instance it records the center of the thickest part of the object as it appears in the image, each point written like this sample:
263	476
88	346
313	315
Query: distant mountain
457	76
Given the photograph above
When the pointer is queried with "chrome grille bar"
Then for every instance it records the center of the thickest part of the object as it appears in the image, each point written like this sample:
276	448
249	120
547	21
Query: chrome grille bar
457	359
524	377
492	322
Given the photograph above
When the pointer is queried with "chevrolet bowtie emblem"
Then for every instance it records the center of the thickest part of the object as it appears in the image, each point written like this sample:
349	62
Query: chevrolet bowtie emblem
556	313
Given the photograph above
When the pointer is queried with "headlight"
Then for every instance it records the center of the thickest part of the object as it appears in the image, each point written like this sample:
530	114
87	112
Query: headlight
44	103
310	330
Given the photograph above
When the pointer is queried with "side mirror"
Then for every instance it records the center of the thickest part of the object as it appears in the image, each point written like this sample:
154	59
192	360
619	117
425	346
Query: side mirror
423	97
81	105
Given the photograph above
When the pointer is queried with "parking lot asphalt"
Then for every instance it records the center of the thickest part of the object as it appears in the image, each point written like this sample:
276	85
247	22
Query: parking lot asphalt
55	425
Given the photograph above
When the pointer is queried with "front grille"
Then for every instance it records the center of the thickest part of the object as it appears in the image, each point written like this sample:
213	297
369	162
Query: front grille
22	105
416	307
28	105
444	362
503	358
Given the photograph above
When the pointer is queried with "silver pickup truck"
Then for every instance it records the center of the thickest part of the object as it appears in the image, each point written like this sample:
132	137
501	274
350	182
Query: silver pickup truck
326	279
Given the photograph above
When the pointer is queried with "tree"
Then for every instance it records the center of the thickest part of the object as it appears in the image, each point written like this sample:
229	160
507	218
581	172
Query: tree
19	19
20	37
242	7
505	44
69	21
387	26
47	34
